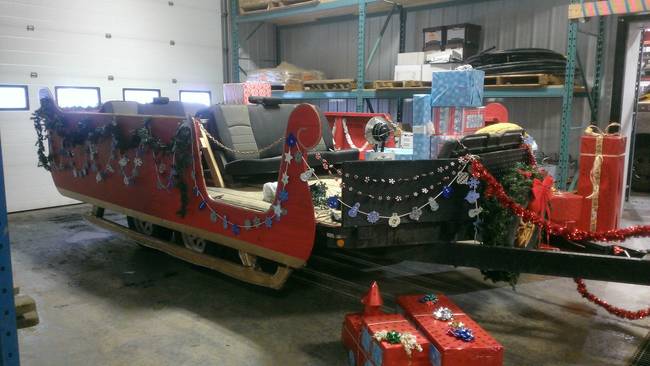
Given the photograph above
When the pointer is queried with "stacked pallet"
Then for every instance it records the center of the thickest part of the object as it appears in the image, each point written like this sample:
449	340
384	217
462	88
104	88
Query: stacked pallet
260	6
522	80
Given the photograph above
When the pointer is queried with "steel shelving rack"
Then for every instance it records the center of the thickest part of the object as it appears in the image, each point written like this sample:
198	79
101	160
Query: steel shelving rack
363	8
8	333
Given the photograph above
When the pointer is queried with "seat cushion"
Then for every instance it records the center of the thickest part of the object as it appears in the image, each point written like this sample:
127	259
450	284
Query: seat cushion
272	165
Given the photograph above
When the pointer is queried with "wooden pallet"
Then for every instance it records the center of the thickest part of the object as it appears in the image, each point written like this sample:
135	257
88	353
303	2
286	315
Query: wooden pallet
333	84
399	84
26	315
523	80
293	85
254	7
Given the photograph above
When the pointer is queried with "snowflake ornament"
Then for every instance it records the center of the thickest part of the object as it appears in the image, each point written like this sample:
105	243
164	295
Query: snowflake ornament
373	217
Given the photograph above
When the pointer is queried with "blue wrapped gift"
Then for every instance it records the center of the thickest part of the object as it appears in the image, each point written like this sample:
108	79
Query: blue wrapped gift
458	88
422	126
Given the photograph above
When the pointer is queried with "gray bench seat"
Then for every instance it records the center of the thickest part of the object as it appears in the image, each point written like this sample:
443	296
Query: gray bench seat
255	128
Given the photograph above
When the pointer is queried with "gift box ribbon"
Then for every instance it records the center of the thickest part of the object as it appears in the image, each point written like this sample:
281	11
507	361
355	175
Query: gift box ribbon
594	175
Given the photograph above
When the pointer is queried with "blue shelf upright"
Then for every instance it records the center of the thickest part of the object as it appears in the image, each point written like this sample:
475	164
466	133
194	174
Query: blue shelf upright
8	333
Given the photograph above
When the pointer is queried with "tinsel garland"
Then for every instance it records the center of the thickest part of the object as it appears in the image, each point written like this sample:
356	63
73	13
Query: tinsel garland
48	121
497	190
619	312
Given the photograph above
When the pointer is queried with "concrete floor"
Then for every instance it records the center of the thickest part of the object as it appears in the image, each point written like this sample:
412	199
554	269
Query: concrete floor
105	301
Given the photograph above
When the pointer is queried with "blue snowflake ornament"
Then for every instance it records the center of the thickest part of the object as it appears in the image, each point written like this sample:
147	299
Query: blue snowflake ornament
473	183
472	196
373	217
202	205
235	229
268	222
284	195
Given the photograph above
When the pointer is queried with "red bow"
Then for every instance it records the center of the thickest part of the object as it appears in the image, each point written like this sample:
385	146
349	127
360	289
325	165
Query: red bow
541	196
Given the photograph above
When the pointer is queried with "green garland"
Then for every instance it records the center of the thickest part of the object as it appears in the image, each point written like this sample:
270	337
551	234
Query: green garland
497	221
48	121
319	194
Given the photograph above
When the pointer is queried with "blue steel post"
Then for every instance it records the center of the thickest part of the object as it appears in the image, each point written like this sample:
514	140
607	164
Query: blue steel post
598	71
8	336
402	48
567	103
361	54
234	39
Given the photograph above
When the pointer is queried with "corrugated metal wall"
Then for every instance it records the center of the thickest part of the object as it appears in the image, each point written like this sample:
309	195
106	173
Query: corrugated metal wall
330	46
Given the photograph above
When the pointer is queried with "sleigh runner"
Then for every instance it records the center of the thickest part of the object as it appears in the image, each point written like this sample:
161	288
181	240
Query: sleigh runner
193	188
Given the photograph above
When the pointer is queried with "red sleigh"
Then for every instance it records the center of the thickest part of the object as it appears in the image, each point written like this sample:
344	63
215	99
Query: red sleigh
192	188
141	183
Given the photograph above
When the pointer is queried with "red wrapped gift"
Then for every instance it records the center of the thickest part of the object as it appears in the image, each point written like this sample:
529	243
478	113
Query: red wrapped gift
383	353
602	159
566	208
446	349
351	337
457	120
238	93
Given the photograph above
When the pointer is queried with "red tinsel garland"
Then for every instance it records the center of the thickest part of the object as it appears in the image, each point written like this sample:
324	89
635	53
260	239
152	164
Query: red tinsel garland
494	188
619	312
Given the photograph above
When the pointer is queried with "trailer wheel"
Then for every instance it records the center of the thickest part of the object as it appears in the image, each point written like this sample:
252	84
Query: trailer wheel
148	228
194	243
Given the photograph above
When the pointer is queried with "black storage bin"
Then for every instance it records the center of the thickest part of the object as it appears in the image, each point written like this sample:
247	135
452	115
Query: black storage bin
458	36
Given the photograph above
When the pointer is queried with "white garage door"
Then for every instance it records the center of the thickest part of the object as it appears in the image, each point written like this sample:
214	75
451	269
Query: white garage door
158	44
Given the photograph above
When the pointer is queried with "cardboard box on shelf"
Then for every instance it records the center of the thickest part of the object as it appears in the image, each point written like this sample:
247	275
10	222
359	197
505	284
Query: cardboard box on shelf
408	72
410	58
429	69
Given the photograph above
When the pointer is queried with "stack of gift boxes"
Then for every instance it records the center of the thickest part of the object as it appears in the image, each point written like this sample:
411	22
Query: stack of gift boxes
418	335
452	110
596	206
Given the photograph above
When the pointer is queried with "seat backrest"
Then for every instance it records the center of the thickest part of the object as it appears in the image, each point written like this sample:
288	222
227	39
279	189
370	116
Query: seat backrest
119	107
172	108
252	128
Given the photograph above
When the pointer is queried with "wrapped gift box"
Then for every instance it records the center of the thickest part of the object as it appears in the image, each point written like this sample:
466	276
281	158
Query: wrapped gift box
566	208
390	153
350	335
601	212
238	93
458	88
386	354
445	349
422	126
457	120
438	142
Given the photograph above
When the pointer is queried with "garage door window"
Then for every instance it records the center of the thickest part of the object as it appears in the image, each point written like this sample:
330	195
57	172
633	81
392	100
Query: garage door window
14	98
140	95
196	96
77	97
